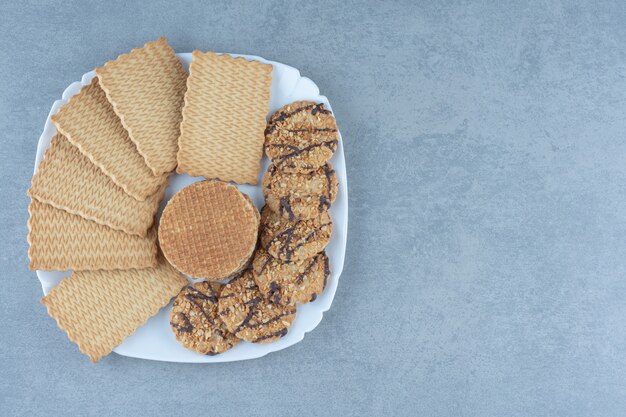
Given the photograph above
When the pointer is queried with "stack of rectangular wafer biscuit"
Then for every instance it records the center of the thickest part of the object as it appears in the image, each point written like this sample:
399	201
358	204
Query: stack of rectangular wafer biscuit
100	182
95	194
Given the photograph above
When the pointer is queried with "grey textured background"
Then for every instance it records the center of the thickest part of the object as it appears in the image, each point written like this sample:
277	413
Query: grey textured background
485	271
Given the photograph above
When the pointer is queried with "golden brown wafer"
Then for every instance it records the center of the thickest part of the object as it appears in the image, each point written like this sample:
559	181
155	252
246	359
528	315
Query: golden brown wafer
146	88
68	180
89	122
209	230
99	309
221	135
60	241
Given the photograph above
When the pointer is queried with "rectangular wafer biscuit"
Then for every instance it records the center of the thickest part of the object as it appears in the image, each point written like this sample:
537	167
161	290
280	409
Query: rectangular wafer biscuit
89	122
68	180
146	88
222	132
99	309
59	241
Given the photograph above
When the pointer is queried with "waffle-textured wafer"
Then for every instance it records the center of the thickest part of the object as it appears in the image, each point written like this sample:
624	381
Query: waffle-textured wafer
209	230
89	122
60	241
249	255
68	180
221	135
146	88
99	309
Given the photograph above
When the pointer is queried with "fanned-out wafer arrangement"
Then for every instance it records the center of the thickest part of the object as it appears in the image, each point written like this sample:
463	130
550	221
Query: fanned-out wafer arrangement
236	273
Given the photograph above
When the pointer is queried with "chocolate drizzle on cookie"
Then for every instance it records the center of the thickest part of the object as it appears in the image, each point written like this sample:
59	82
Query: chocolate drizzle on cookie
278	334
309	237
285	206
282	116
300	277
319	109
313	130
324	203
252	303
265	264
329	172
196	298
227	295
187	327
274	292
284	248
270	321
295	151
326	272
193	293
283	240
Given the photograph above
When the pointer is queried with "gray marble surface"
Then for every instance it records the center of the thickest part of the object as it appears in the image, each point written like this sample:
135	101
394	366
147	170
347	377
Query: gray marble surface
486	262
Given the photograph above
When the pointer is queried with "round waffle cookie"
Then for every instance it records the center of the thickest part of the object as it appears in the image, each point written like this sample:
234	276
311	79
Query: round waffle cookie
301	136
249	315
288	283
195	320
209	230
294	241
300	195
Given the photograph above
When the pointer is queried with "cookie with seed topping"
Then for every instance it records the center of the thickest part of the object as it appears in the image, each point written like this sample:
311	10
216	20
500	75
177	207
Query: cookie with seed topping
299	195
293	241
288	283
249	315
301	136
195	320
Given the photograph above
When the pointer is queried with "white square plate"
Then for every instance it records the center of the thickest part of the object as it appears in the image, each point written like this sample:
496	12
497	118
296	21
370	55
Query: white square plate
155	340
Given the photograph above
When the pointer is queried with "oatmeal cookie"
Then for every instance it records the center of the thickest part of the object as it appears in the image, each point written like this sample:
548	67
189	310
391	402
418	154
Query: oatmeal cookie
195	321
301	195
294	241
288	283
301	136
251	317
